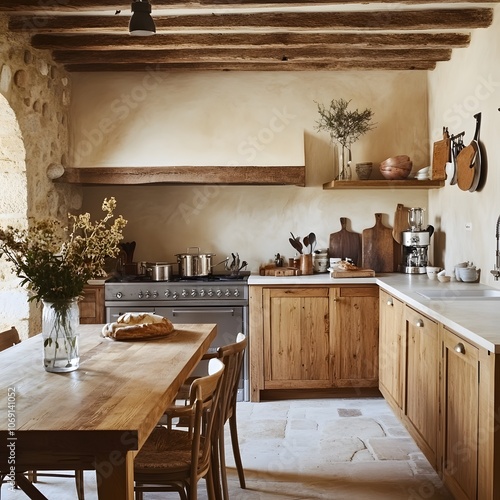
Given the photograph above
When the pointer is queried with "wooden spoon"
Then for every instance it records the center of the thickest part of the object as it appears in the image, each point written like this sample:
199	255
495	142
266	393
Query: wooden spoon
312	241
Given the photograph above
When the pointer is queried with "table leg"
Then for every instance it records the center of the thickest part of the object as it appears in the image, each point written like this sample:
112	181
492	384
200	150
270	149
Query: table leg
115	480
28	488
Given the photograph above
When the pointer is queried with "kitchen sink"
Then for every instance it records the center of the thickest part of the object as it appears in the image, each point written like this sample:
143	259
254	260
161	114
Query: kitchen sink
486	294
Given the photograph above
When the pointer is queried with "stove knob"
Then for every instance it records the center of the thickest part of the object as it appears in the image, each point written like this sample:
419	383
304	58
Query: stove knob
202	292
227	293
119	295
218	293
184	293
193	293
147	294
236	293
155	294
174	295
140	295
210	293
167	293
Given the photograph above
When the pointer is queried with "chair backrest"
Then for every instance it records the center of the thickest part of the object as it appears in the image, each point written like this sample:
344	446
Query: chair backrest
8	338
205	395
232	356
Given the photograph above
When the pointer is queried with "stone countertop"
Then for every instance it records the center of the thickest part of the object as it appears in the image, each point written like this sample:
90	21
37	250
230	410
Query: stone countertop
477	320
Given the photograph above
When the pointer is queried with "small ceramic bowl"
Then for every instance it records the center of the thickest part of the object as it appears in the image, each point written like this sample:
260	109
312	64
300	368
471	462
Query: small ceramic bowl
432	272
444	279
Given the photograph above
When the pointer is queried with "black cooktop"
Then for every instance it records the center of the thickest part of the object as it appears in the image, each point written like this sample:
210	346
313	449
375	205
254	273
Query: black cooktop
140	278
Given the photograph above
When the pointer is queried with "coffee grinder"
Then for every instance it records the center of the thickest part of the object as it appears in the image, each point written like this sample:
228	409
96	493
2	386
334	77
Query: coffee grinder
415	241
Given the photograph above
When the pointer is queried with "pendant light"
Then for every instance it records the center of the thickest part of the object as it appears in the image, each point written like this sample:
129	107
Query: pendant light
141	22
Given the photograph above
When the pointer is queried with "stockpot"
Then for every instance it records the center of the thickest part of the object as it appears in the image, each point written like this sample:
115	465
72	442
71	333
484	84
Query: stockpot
194	264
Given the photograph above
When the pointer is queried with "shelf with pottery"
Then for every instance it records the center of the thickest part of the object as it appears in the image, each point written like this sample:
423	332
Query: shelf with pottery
384	184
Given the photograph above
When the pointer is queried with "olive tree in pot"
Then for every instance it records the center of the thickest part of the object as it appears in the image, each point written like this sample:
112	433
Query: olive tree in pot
345	127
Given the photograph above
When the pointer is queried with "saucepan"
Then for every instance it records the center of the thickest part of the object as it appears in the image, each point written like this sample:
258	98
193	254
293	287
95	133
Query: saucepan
196	264
159	271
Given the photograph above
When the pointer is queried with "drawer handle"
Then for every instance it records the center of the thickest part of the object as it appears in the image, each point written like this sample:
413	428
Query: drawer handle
390	303
420	323
460	348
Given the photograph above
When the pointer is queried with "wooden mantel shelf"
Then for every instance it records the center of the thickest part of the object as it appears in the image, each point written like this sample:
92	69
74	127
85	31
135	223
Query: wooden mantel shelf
184	175
384	184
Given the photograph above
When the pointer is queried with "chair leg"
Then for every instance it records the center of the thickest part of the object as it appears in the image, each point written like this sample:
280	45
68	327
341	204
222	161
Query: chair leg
80	490
222	466
236	448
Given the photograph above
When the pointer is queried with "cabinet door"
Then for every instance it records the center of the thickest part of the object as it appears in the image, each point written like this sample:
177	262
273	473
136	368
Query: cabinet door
422	376
91	306
391	332
459	407
296	338
355	318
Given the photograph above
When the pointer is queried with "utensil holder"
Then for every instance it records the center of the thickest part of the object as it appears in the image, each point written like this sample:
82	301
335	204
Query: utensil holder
306	264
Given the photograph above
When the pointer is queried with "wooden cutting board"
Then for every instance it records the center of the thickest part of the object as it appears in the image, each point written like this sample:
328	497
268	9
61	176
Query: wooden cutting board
357	273
400	222
441	156
379	248
345	244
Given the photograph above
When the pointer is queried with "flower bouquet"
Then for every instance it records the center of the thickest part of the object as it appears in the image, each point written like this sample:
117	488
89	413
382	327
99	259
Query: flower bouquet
54	263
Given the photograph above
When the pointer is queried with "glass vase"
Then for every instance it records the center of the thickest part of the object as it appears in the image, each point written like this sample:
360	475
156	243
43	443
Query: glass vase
344	163
60	321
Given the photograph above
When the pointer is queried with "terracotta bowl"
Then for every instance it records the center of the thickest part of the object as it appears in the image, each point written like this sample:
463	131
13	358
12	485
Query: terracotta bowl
396	173
395	161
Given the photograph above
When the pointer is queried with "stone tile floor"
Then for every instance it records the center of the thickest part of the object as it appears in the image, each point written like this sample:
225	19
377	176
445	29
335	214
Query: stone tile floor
352	449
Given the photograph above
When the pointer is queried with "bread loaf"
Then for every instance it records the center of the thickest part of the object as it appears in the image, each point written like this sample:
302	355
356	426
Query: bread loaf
131	326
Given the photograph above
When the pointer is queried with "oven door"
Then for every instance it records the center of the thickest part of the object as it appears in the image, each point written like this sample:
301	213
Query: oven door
230	321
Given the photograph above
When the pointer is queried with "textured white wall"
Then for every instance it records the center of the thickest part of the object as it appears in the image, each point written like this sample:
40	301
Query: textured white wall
239	119
468	84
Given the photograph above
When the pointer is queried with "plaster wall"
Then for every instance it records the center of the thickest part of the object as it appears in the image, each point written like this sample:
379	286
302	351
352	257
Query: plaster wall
237	118
458	89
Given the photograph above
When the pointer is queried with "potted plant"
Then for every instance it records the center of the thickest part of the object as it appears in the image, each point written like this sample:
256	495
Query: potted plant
345	127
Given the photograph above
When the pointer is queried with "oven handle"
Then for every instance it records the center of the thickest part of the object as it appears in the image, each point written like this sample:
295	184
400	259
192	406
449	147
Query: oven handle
178	312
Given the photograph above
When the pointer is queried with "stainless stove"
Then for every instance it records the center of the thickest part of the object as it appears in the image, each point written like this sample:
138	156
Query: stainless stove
218	298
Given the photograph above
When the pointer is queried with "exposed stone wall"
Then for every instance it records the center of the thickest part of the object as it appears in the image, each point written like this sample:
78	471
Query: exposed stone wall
33	145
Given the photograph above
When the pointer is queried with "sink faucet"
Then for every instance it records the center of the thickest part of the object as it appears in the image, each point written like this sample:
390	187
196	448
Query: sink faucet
496	271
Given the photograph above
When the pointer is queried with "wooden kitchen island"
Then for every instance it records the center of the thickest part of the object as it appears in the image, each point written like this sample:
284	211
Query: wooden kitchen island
99	416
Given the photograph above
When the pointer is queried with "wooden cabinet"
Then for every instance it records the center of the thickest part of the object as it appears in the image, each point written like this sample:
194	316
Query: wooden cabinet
313	337
391	350
460	415
354	313
92	309
296	338
420	405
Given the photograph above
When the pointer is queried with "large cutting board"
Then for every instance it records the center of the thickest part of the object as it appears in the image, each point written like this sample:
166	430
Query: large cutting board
345	244
379	248
400	222
441	155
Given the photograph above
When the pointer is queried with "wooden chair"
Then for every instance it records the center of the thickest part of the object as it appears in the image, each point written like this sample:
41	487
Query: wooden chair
232	356
175	460
9	338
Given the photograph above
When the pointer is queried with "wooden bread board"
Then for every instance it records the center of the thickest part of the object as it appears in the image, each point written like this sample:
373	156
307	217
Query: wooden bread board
345	244
272	270
356	273
441	155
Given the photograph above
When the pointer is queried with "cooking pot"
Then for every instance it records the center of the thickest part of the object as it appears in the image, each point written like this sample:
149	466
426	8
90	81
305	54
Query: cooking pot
159	271
195	264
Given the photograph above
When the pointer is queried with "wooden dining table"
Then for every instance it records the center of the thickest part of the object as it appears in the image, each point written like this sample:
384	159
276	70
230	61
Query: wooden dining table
99	416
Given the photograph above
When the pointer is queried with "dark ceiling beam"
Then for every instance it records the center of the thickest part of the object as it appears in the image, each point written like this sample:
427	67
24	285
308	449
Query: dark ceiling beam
251	55
15	6
448	19
204	40
275	66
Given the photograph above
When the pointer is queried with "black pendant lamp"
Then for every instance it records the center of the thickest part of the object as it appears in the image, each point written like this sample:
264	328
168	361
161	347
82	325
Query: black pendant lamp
141	22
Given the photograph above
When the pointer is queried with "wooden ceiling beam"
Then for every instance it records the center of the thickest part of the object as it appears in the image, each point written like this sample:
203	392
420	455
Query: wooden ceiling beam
242	40
251	55
404	20
258	66
19	6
